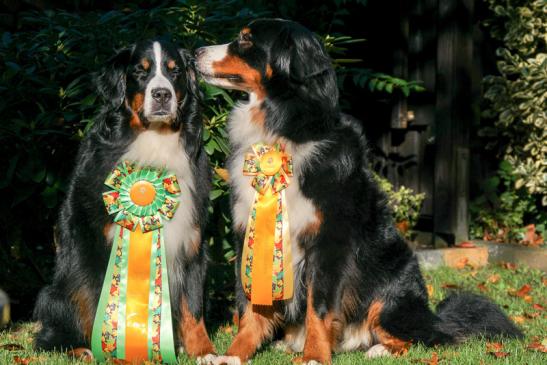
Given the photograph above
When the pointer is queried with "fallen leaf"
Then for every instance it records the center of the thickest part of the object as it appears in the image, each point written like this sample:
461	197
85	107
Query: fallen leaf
466	244
22	360
499	354
528	299
494	278
531	315
494	346
462	263
544	280
518	319
223	173
11	347
531	237
434	360
525	289
226	329
450	286
509	265
537	306
430	290
536	346
482	287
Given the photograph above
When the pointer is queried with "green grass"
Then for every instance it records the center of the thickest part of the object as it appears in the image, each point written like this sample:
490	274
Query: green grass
472	352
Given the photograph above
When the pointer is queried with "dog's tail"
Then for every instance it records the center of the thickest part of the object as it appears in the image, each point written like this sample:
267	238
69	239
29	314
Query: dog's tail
464	315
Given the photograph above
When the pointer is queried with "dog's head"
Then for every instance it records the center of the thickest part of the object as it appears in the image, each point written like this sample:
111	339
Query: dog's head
269	55
153	80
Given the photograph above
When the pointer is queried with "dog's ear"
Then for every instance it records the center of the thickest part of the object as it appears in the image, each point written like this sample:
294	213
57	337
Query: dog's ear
299	55
111	81
191	74
190	111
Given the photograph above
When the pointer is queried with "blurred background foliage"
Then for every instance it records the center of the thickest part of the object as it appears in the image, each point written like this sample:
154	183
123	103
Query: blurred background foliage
48	103
514	124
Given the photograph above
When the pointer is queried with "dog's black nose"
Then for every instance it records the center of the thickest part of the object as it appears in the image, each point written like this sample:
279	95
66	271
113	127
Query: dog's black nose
161	95
199	51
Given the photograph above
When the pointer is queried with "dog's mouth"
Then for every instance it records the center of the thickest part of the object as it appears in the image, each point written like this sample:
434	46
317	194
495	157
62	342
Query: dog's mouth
230	77
160	116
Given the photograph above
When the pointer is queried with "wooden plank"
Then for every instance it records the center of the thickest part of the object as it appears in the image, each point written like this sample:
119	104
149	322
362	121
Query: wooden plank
453	118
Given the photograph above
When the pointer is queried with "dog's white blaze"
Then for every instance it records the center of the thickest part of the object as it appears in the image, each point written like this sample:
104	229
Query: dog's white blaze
158	81
166	150
243	133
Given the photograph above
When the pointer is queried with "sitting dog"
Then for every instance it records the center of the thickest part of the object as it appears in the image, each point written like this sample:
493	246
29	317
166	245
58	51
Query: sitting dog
356	283
151	116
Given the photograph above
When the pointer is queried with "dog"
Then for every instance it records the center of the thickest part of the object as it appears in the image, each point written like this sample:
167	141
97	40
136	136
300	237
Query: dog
151	115
357	284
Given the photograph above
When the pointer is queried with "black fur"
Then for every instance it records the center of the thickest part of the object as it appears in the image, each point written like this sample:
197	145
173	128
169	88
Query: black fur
357	252
83	251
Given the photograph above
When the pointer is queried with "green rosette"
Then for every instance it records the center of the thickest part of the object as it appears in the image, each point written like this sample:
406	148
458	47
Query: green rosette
108	338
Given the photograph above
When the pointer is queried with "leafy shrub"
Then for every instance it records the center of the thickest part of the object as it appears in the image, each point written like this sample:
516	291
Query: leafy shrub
517	98
405	204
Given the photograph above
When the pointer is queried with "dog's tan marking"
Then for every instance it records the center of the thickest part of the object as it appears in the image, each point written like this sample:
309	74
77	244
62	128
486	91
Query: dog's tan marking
313	227
256	325
269	71
320	335
250	77
145	63
82	301
395	345
171	64
193	333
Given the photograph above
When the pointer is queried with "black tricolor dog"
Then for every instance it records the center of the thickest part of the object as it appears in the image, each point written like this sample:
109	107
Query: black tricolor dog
151	115
357	283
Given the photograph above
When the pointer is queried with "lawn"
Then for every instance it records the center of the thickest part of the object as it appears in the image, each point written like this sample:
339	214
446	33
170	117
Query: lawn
521	291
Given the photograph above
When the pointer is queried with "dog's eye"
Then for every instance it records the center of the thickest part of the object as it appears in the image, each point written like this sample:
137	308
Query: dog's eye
175	71
140	72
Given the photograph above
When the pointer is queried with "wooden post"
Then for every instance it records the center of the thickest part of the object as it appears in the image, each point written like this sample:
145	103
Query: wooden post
453	118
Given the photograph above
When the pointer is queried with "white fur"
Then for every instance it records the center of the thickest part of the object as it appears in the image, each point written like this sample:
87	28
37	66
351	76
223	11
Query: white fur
165	150
355	337
377	351
206	360
158	81
227	360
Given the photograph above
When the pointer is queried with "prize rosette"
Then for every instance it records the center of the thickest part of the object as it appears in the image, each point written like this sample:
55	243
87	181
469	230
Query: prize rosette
133	320
266	264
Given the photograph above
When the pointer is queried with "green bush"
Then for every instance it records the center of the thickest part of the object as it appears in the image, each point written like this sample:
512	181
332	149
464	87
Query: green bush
517	97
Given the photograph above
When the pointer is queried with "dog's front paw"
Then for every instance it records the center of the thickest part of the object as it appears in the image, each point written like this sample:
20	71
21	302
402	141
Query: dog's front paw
208	359
377	351
81	353
227	360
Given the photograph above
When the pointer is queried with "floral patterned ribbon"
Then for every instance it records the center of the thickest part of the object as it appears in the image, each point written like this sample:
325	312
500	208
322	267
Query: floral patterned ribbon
266	265
133	320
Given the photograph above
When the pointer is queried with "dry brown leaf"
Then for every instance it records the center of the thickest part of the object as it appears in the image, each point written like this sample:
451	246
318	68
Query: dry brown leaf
450	286
509	265
482	287
531	315
525	289
430	290
544	281
22	360
537	346
499	354
518	319
494	278
537	306
528	299
11	347
434	360
223	173
466	244
462	263
494	346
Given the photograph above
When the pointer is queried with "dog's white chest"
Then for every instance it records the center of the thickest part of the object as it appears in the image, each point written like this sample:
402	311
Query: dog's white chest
158	149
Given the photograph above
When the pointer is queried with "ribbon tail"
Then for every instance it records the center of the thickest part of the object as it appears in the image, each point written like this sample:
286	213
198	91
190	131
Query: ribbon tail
288	277
167	343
